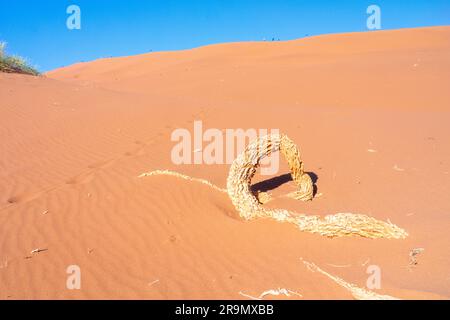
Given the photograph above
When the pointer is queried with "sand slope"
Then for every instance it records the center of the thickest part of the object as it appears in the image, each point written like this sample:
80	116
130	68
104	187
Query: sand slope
370	112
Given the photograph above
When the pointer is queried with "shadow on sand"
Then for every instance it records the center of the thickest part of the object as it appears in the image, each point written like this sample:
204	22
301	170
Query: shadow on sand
275	182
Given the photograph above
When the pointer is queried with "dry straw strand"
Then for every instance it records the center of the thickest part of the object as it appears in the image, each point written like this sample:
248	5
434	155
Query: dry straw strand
181	176
357	292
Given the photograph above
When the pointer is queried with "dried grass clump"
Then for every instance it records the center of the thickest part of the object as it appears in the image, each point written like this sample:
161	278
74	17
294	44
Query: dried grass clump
250	205
342	224
244	168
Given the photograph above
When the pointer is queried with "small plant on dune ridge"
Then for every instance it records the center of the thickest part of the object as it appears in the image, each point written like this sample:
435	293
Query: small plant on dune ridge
14	64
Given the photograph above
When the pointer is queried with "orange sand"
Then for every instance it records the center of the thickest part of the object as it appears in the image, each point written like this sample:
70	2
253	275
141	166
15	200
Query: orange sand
73	144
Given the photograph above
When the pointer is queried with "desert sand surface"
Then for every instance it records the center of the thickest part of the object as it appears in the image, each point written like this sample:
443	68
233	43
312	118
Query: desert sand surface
370	112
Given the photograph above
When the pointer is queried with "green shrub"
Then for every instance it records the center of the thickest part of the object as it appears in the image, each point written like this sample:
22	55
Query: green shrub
14	64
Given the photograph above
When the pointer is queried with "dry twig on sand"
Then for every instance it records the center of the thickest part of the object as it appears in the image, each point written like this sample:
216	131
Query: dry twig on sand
357	292
413	256
38	250
272	292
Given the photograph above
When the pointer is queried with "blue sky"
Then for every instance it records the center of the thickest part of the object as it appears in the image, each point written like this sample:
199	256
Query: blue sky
36	29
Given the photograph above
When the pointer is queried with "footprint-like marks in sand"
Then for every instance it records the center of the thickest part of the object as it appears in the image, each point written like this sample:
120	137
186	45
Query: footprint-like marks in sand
135	153
81	178
25	197
101	164
94	168
87	176
14	199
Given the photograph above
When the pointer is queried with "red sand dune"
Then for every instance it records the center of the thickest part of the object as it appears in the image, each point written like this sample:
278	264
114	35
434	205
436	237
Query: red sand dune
74	142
